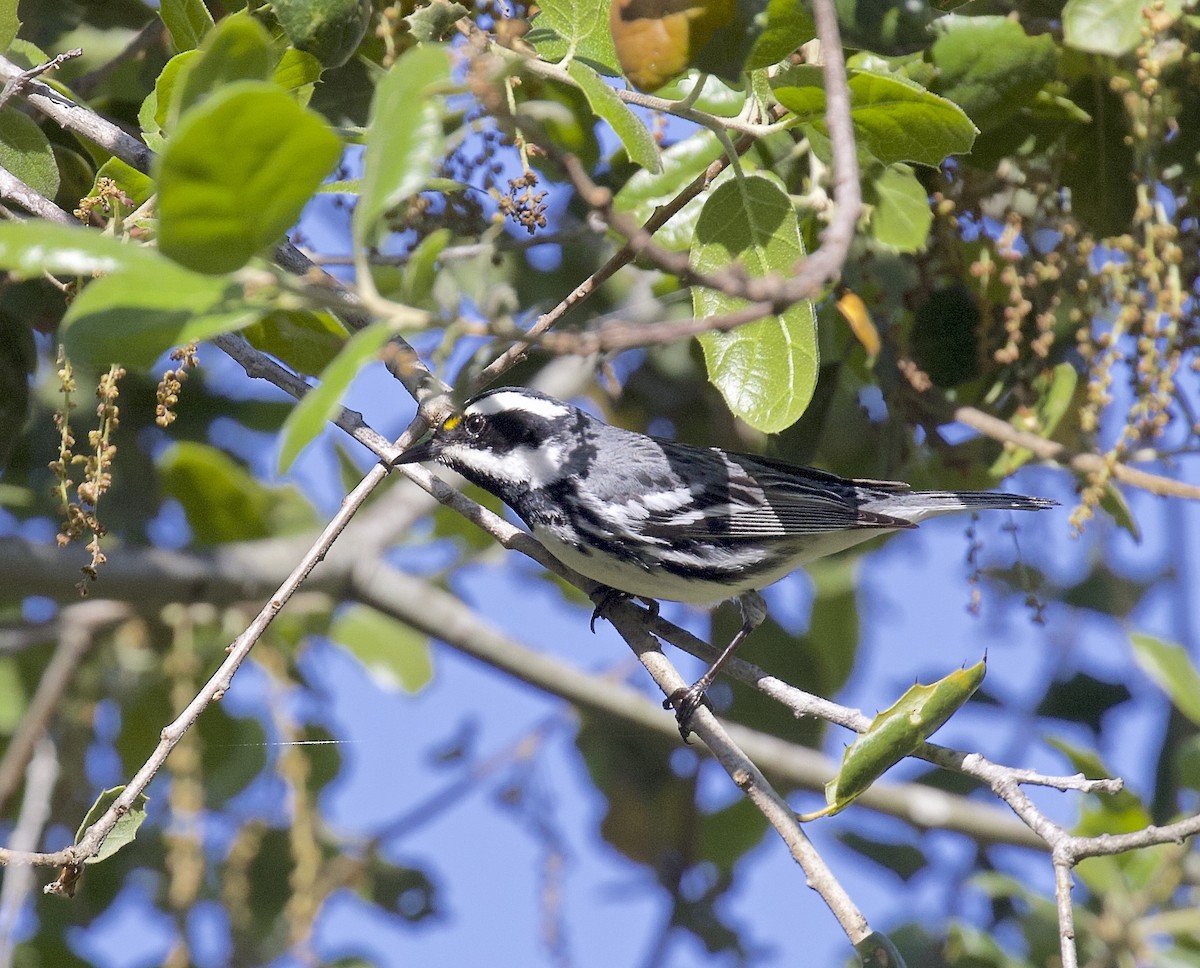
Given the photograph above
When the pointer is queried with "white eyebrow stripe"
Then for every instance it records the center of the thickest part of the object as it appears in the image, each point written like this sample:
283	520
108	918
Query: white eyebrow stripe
507	400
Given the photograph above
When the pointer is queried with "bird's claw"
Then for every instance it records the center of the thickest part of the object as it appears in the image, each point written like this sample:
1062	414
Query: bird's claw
611	595
607	597
685	702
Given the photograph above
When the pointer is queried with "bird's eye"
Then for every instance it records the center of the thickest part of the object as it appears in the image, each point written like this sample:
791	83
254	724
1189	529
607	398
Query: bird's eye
473	424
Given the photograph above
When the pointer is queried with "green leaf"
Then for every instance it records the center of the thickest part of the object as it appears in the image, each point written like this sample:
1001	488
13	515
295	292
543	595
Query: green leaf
155	115
644	192
405	136
1187	762
317	406
1113	503
1082	699
236	174
137	313
894	118
126	826
394	654
1122	810
943	338
304	340
639	143
406	891
9	24
137	185
1112	27
233	753
563	113
297	73
187	20
1055	392
766	370
877	950
902	215
886	28
1172	669
789	24
725	836
25	151
435	20
715	97
904	860
13	700
1105	591
225	502
575	28
990	67
420	271
899	730
31	249
18	361
330	30
239	49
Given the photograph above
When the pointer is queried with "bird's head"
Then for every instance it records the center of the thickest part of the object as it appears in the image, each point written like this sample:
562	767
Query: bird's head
506	440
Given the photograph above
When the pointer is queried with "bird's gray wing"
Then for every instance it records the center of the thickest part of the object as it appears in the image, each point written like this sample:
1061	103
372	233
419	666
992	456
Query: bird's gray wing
736	496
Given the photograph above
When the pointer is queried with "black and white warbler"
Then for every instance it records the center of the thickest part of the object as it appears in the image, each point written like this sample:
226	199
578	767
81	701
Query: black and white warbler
655	519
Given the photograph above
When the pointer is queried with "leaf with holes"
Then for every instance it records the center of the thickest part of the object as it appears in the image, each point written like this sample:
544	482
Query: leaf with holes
126	826
899	730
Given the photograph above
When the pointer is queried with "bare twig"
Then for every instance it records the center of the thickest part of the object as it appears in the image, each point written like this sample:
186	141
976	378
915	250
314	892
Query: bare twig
1084	463
72	857
752	783
618	334
16	83
1066	913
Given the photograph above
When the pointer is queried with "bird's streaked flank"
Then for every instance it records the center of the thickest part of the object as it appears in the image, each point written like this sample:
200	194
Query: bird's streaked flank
658	519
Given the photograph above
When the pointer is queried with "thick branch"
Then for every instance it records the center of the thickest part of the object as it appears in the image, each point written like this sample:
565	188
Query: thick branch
250	570
79	119
12	189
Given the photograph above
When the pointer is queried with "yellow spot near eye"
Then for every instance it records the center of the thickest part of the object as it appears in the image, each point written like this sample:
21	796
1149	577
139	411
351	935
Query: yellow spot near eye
451	422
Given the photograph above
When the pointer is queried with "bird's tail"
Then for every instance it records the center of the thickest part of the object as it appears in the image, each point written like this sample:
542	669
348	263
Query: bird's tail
916	506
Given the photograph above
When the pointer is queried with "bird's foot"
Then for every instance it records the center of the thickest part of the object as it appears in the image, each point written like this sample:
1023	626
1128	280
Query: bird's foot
603	598
610	596
685	702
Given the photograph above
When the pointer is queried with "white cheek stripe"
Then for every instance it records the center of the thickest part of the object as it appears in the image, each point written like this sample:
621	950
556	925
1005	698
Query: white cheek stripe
537	466
513	400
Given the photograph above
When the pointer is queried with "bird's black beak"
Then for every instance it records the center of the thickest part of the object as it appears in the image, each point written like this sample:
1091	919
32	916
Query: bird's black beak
428	449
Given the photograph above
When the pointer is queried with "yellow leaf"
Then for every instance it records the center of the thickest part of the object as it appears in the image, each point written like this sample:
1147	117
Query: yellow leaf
658	39
855	312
